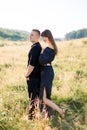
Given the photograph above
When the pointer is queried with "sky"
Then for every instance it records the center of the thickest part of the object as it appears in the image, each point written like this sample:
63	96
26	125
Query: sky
59	16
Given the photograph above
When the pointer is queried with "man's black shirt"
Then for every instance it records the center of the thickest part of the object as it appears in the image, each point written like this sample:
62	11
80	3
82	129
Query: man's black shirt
33	59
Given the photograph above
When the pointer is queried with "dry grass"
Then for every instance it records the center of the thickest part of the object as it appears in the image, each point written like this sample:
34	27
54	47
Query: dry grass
69	87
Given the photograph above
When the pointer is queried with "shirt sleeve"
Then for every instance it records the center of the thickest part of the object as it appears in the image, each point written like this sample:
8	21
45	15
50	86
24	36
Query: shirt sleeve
34	57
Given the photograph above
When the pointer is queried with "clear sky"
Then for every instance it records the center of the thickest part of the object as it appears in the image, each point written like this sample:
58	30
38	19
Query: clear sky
60	16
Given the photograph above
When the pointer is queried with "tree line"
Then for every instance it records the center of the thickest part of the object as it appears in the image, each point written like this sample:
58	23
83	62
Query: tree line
15	35
76	34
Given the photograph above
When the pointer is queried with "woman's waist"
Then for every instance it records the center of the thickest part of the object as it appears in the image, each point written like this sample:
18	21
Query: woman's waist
48	64
47	71
46	68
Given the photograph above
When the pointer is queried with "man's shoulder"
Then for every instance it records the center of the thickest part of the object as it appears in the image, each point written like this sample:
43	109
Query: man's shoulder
36	46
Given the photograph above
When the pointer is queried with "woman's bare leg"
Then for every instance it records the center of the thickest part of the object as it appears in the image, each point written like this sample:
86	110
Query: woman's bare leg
51	104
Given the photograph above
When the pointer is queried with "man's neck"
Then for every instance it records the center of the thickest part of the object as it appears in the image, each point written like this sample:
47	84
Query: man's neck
35	42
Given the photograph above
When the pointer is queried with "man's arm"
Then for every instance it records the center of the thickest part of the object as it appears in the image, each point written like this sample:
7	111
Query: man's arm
30	68
33	60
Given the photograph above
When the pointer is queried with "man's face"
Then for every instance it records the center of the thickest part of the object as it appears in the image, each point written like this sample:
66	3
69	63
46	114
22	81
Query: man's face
34	36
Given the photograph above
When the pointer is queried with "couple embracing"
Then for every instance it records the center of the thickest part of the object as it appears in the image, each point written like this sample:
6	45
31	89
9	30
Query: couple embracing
40	74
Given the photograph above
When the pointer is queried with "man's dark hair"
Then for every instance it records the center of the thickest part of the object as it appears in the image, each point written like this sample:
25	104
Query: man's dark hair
36	30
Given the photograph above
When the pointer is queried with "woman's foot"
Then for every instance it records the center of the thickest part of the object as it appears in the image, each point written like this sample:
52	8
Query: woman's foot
62	114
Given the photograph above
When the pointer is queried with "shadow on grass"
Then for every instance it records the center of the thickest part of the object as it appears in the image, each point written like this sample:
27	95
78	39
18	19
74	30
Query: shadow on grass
74	118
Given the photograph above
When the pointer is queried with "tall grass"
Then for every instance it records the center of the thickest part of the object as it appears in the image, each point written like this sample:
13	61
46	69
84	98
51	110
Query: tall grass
69	87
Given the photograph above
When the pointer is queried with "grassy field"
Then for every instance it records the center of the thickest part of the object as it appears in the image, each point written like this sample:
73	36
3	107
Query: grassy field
69	87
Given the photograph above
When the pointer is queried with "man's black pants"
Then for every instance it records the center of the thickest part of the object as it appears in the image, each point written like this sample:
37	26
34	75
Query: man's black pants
33	88
33	92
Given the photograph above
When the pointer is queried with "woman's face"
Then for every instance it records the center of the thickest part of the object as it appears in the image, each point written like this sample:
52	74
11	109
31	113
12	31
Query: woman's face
45	39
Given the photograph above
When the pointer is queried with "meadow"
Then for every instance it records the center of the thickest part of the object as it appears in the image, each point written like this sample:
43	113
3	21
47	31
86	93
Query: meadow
69	87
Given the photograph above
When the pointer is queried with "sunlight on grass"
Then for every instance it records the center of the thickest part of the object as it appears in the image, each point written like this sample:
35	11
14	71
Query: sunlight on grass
69	87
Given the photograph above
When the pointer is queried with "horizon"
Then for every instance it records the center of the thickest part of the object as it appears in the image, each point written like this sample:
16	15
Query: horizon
29	32
60	17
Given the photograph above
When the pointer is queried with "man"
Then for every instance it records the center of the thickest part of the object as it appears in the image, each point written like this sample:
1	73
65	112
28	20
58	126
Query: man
33	69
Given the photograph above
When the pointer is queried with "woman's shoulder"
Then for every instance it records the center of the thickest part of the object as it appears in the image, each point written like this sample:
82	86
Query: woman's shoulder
49	49
49	52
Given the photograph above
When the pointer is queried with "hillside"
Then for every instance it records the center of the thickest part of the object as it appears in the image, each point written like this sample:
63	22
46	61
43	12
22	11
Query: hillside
19	35
13	35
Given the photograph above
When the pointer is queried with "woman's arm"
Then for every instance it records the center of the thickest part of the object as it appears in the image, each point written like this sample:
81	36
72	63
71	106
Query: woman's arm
45	57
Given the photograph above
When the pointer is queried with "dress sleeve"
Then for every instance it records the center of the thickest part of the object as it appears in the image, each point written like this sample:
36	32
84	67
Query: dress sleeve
46	57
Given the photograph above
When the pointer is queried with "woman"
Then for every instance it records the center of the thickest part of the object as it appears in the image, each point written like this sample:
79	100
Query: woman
47	73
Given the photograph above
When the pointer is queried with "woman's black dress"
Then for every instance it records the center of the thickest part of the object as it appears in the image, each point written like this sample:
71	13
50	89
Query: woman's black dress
47	73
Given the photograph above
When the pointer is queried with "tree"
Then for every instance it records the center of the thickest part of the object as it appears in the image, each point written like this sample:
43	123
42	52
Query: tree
76	34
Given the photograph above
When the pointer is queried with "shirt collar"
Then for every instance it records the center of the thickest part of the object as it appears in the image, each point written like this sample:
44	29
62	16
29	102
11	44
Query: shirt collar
35	44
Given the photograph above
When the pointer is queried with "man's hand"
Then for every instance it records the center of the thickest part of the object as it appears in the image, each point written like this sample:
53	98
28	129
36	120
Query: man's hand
27	78
30	68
